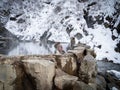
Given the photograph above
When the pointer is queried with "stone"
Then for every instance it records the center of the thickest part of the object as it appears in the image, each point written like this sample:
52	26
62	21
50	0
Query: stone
7	77
112	86
79	52
1	86
91	52
43	71
88	70
111	77
67	63
82	86
63	81
79	36
101	83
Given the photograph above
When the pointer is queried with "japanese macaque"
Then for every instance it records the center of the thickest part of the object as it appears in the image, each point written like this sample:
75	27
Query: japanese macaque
58	48
72	43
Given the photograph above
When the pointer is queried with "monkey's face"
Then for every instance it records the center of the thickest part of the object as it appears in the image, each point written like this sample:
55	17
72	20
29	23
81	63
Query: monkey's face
59	48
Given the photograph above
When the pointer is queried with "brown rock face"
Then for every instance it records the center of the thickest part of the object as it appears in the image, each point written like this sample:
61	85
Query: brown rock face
88	71
67	63
82	86
64	81
43	71
79	51
7	77
75	70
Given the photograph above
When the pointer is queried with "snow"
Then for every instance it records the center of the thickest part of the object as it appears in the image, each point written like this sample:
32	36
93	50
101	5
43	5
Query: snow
115	33
114	73
102	36
41	17
114	88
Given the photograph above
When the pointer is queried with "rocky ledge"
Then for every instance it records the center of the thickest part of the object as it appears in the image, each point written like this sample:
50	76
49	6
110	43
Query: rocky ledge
74	70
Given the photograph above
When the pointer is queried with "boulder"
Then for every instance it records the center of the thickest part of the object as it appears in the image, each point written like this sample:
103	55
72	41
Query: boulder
43	72
80	52
90	51
112	86
1	86
7	77
63	81
101	83
88	70
82	86
67	62
113	77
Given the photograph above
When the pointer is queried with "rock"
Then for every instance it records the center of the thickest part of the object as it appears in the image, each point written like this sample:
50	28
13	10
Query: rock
8	41
104	65
91	52
112	86
67	63
88	69
7	77
101	83
37	72
1	86
63	81
80	52
112	77
81	86
43	71
79	36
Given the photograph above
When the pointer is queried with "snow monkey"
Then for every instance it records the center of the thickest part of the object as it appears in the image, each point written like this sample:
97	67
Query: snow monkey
72	42
58	48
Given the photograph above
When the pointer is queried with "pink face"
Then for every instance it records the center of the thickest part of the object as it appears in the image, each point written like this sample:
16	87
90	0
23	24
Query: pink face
60	48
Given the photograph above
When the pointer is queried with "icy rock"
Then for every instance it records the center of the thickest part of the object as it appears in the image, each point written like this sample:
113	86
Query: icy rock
113	77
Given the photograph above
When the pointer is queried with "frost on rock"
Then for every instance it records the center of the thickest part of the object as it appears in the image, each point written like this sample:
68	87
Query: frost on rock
114	73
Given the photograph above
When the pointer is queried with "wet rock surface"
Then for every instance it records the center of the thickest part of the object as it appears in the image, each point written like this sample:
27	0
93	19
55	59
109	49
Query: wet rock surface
105	77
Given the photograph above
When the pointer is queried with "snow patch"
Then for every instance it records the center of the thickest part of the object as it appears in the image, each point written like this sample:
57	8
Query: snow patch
115	73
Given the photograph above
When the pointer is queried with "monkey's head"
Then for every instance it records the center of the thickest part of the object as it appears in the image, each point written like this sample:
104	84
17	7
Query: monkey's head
72	40
56	44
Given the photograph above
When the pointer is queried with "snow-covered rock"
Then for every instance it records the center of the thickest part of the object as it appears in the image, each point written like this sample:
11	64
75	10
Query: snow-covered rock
113	76
114	73
97	21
